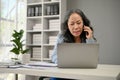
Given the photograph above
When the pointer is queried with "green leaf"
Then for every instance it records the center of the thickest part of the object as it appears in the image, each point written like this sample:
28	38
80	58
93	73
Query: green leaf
18	42
24	51
15	50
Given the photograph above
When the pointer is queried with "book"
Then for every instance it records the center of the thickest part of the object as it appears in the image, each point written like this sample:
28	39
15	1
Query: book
54	24
39	11
56	9
48	11
42	64
36	38
36	11
28	11
36	52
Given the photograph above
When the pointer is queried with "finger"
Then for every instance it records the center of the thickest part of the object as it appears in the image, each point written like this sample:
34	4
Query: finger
86	28
89	31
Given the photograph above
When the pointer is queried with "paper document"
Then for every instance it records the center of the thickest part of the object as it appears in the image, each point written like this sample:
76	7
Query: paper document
42	64
5	64
35	67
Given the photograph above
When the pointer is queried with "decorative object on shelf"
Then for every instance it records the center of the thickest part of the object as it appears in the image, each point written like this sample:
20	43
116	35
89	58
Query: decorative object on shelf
52	9
18	45
34	11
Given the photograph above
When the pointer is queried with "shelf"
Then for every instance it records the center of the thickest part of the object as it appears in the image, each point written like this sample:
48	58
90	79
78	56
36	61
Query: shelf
51	16
48	45
44	19
51	30
34	17
34	45
51	2
46	59
35	3
34	31
39	59
35	59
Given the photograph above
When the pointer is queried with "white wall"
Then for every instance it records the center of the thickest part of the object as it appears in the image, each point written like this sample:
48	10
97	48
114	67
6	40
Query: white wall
105	18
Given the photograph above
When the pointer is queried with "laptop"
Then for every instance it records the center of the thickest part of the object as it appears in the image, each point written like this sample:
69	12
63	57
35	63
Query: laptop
77	55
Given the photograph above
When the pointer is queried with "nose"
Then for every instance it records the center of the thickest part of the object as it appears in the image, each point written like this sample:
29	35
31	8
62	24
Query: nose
76	26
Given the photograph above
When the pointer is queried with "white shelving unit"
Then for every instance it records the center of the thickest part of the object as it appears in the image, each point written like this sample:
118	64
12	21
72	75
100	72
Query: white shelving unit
44	19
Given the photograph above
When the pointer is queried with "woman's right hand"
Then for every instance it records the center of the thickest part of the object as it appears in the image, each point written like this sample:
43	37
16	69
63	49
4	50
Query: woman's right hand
89	34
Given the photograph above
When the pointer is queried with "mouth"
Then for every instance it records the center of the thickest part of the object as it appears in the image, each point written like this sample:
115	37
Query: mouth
76	32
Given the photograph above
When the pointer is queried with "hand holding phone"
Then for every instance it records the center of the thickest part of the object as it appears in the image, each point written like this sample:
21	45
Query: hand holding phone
88	32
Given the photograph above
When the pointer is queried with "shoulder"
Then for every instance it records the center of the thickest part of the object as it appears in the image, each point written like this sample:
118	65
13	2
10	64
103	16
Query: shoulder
60	38
91	40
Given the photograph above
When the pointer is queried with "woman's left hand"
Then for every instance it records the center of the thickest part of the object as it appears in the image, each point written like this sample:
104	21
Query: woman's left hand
89	32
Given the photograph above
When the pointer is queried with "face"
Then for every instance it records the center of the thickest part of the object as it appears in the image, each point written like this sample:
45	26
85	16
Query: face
75	24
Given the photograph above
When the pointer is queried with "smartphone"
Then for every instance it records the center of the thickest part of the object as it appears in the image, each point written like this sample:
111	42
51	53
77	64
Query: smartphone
84	33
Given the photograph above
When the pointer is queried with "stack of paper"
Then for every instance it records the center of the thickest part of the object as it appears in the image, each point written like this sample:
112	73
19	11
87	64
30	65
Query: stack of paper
54	24
42	64
36	38
52	40
36	52
37	27
50	53
6	64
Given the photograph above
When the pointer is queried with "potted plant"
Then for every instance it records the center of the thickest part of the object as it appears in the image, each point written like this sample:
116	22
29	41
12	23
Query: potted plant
18	44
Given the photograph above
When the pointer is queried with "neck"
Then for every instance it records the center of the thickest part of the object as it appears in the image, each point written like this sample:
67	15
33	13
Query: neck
77	40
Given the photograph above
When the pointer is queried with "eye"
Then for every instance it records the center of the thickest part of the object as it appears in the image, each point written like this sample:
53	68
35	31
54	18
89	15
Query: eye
72	24
79	23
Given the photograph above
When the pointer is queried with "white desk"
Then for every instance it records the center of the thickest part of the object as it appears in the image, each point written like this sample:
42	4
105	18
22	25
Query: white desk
103	72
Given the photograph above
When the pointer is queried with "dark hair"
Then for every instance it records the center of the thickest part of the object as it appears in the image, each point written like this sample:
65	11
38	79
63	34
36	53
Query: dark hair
68	37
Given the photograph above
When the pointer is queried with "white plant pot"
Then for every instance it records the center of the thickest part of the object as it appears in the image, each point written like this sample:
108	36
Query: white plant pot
25	58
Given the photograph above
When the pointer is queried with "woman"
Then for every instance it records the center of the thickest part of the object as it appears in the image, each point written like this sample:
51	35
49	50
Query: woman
76	28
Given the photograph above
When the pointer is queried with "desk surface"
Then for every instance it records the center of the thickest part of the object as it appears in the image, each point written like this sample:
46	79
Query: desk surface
102	72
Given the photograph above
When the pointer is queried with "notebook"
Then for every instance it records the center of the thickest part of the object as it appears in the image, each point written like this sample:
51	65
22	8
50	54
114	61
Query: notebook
77	55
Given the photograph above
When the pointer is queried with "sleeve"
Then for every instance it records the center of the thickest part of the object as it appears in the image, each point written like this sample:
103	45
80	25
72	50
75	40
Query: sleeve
54	54
91	40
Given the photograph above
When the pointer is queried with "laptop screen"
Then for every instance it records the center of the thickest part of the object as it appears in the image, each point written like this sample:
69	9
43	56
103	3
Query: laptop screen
77	55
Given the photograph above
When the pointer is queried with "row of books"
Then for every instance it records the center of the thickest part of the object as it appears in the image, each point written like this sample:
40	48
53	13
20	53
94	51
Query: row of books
36	52
36	38
34	11
50	53
54	24
52	9
37	10
52	39
37	27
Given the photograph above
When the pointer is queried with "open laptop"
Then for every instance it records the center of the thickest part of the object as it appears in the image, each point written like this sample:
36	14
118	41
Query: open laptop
77	55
